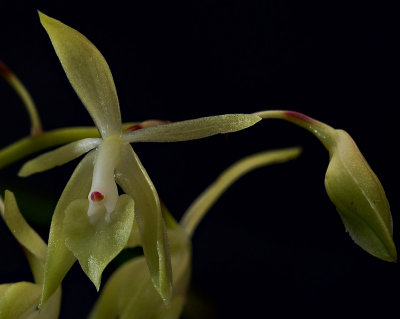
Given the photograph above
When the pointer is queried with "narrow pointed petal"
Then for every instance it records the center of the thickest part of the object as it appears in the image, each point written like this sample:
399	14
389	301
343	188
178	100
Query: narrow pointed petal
193	129
34	247
203	203
89	74
59	258
59	156
96	244
133	178
136	297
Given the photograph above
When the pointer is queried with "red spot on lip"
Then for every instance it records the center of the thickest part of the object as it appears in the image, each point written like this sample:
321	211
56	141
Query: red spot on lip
4	70
299	116
96	196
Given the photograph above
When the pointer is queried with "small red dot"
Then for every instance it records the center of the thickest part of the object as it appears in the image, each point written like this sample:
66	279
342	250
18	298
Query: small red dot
96	196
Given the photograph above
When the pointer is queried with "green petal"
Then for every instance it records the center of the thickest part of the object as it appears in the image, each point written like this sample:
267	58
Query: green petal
95	245
136	297
58	157
132	177
34	246
193	129
89	74
202	204
59	258
19	299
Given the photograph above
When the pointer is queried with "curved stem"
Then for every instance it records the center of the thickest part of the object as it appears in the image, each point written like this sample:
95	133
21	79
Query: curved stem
17	85
322	131
203	203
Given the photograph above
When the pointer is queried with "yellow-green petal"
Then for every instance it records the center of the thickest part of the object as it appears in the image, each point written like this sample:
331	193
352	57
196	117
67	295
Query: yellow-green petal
34	247
136	297
59	156
202	204
59	258
193	129
89	74
95	245
133	178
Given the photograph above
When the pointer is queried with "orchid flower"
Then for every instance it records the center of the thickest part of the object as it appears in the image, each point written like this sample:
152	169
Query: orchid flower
21	299
352	186
136	297
92	222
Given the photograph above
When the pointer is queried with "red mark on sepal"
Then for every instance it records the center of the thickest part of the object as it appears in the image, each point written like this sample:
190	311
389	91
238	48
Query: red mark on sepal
4	70
134	128
145	124
96	197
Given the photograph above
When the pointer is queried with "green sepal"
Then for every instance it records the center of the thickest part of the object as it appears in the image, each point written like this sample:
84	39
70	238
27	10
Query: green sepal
133	179
88	73
193	129
96	244
33	245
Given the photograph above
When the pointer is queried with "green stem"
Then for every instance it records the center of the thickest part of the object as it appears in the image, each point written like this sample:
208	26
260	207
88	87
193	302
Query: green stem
16	84
203	203
322	131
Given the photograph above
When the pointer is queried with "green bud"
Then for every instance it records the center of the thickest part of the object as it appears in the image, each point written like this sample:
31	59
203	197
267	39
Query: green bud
359	198
352	186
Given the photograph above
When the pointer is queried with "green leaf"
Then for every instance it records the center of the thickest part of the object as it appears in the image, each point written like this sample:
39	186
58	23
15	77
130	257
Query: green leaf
89	74
359	198
59	156
203	203
95	245
193	129
59	258
133	178
136	297
34	246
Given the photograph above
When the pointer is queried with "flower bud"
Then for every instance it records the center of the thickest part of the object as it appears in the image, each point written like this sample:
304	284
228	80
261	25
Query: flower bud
359	198
352	186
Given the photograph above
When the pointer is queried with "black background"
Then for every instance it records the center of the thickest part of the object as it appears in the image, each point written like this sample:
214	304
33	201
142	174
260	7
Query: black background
273	246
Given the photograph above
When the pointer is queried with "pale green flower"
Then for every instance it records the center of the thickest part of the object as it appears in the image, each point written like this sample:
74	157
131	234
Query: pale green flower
352	186
21	299
91	222
129	293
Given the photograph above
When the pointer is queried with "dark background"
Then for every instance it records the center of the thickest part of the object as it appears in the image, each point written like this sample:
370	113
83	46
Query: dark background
273	246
